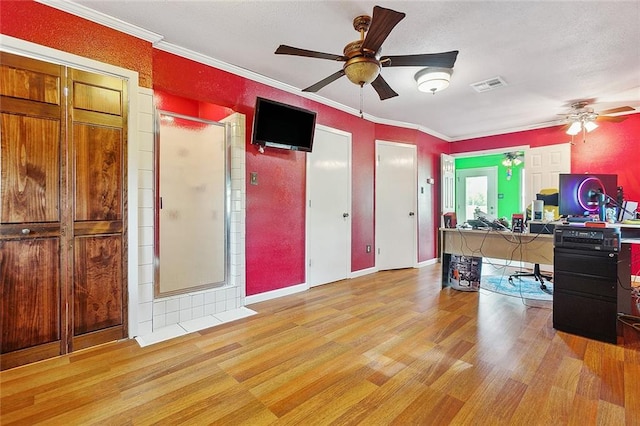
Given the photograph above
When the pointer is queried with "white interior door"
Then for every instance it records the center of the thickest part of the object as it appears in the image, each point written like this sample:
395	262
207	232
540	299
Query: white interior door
542	166
396	198
476	188
329	207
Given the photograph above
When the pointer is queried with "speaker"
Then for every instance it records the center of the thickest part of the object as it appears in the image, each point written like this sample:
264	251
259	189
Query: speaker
450	220
517	222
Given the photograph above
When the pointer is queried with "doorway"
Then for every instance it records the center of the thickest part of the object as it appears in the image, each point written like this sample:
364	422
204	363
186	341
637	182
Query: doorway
64	218
476	189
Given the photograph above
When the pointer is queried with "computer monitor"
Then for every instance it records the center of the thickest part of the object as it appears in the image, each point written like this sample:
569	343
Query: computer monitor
585	194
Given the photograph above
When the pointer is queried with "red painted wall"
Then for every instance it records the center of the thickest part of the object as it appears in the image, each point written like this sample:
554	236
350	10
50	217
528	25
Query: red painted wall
53	28
611	148
275	221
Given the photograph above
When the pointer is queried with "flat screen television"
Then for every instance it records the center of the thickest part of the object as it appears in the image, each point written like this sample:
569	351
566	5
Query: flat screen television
283	126
583	194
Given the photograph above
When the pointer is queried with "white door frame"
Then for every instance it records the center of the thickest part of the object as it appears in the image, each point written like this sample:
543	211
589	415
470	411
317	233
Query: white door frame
44	53
447	185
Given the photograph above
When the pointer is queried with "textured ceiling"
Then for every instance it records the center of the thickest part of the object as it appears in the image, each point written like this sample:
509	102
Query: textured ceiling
549	53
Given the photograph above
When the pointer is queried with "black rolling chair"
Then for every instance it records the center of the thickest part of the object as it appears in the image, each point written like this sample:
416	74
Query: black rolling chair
550	198
537	274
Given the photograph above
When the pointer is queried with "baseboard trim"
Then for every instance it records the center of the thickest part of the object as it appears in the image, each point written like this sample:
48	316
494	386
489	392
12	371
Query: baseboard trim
274	294
428	262
363	272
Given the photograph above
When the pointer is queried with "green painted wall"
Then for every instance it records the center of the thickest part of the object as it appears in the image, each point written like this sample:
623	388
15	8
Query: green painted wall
508	190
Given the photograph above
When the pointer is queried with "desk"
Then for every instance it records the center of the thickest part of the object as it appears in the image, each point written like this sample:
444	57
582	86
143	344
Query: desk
532	248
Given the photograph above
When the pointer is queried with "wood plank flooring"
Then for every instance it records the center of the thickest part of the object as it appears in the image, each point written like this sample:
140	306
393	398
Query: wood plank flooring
387	348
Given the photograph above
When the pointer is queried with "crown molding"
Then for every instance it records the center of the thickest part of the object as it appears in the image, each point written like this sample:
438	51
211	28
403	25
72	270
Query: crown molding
506	131
102	19
259	78
158	42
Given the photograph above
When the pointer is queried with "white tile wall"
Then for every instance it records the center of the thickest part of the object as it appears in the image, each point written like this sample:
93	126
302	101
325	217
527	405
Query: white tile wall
154	314
145	211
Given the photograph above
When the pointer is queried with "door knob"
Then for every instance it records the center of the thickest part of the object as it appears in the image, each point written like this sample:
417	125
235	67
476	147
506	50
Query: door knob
345	214
411	213
26	231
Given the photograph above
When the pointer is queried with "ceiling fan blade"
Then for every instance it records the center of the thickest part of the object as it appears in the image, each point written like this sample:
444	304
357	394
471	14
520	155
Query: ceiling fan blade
616	119
442	60
319	85
288	50
384	90
382	23
616	110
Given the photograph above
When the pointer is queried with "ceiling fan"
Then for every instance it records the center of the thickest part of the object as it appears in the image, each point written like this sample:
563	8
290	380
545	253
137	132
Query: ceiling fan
362	60
582	118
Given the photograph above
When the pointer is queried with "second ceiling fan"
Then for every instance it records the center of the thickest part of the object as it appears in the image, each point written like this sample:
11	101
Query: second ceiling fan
362	62
582	118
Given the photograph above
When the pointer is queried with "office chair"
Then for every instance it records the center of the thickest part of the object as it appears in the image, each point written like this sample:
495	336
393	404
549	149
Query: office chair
550	198
537	274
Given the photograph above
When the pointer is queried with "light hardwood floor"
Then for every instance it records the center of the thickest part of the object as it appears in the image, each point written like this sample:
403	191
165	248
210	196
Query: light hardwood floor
387	348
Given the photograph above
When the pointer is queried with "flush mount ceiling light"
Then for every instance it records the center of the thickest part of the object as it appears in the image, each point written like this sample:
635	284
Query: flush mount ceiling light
433	79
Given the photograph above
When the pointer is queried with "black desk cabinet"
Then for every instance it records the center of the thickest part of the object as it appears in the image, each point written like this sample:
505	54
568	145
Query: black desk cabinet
587	294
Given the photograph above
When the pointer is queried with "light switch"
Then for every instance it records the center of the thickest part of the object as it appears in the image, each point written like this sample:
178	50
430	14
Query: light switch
253	179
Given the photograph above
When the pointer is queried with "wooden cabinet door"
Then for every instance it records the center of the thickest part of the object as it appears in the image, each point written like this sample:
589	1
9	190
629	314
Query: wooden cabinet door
31	169
98	111
62	209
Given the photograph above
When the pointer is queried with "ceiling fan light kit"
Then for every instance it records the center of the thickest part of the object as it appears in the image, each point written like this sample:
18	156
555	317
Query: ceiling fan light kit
362	70
575	128
590	125
433	79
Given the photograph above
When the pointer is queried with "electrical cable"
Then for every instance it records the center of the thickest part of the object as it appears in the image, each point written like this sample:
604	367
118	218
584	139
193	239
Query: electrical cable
626	320
510	237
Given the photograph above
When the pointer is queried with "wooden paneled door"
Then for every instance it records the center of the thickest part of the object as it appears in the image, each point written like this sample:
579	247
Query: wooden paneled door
62	216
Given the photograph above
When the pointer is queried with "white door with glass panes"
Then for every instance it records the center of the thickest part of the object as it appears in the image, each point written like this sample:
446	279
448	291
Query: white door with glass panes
448	183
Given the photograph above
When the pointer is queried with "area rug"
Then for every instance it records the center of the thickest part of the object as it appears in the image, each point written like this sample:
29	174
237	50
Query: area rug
524	287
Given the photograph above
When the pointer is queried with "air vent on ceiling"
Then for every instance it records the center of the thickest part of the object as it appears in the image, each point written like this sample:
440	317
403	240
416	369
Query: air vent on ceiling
489	84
